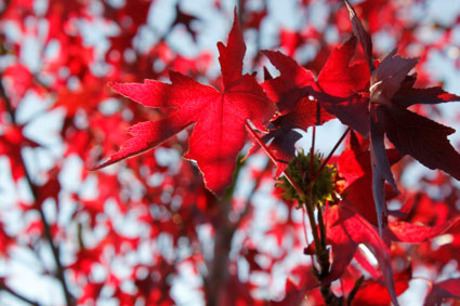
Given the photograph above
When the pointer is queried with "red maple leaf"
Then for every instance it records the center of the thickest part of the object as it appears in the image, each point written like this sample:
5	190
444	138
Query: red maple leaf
360	32
371	289
338	88
445	289
391	92
355	167
416	233
300	281
304	101
340	77
345	231
220	117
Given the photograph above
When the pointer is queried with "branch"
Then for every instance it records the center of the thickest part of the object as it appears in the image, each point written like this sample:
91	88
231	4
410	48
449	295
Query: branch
46	227
216	280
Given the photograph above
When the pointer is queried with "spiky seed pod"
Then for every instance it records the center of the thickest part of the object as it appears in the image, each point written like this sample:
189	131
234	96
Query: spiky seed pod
299	169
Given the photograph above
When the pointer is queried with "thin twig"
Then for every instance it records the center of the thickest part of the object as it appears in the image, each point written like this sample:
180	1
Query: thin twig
312	151
355	289
5	288
317	174
7	101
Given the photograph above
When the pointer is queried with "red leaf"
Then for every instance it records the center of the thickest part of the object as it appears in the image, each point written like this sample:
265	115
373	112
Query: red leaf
369	290
412	134
422	138
445	289
388	77
283	137
385	82
300	281
289	88
345	231
336	90
415	233
340	78
282	146
342	101
345	79
250	254
306	113
354	161
381	171
219	133
354	165
362	34
408	96
231	56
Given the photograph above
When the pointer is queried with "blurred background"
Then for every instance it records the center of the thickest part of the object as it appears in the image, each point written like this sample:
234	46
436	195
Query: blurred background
145	231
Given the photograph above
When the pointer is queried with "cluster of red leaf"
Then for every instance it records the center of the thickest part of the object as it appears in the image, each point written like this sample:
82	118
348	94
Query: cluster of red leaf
142	231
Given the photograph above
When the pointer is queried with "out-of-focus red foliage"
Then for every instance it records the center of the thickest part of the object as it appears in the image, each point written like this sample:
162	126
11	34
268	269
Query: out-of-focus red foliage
150	229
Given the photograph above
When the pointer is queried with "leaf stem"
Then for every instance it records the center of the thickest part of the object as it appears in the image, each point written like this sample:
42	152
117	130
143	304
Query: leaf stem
317	174
355	289
7	101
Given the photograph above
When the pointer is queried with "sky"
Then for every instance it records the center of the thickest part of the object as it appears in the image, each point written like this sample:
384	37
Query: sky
44	128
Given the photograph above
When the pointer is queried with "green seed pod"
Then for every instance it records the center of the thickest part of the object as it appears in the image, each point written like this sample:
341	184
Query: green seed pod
299	170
